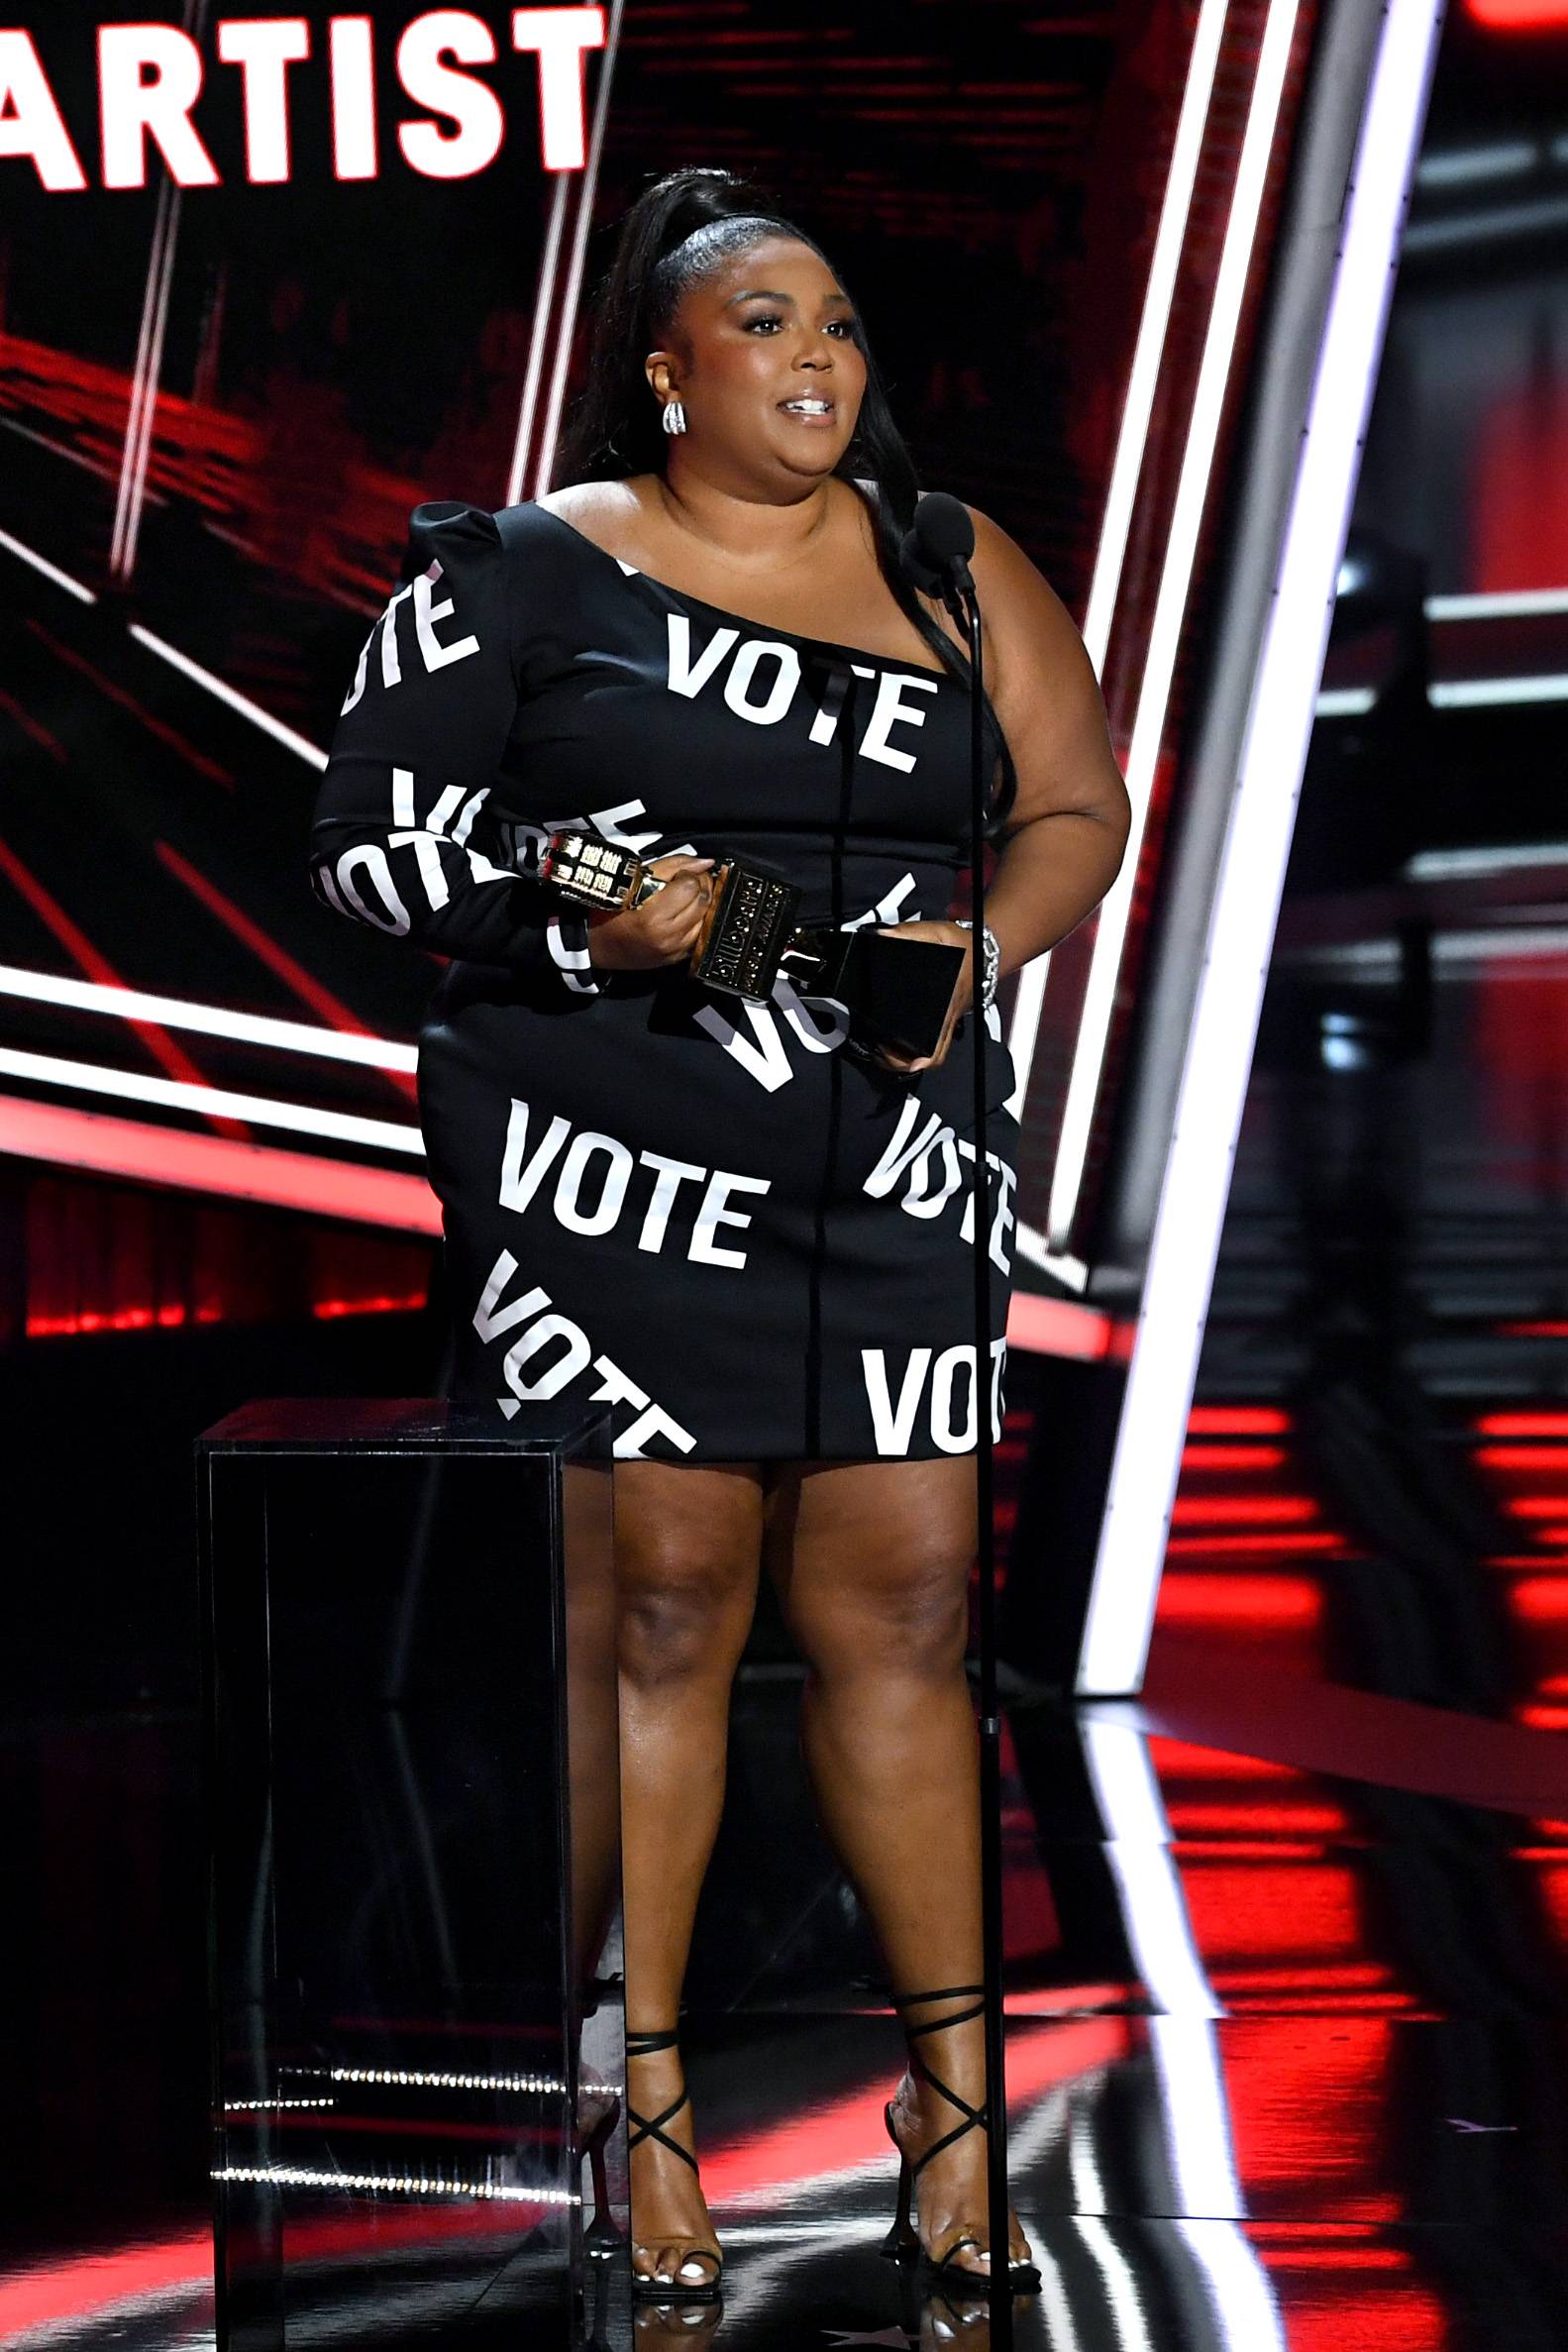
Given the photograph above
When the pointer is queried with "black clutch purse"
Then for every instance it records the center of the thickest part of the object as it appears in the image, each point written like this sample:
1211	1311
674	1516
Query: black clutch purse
895	993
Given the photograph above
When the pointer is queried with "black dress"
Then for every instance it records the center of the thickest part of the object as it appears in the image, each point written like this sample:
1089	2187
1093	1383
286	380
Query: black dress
697	1210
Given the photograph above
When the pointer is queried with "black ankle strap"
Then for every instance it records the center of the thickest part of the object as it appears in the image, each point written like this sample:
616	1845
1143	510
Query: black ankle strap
974	2118
650	2127
939	2025
644	2045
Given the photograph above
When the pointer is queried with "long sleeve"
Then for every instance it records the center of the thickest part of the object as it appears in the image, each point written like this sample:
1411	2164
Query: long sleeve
394	840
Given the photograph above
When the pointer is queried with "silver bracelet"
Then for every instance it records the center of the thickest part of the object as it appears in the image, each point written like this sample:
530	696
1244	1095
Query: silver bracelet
991	961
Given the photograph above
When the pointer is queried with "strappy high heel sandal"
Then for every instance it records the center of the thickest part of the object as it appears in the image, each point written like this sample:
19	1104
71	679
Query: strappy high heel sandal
645	2127
902	2242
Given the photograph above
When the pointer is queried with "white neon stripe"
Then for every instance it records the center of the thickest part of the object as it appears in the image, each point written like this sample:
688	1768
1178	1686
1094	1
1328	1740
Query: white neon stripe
30	554
544	296
1240	2292
149	364
1497	605
74	457
1058	1264
212	1021
1503	943
1457	166
1123	2293
588	181
1149	1884
1195	2107
1243	918
1470	694
1345	702
209	1101
1480	228
227	694
1192	495
1132	437
1468	865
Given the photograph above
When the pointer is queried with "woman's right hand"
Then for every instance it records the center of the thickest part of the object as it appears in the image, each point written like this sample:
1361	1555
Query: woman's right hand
663	929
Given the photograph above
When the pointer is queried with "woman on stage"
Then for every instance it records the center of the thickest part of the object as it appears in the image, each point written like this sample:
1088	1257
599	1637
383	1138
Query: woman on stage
754	1246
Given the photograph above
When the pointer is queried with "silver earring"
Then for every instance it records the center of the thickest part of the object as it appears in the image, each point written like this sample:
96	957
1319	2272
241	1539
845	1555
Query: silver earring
675	417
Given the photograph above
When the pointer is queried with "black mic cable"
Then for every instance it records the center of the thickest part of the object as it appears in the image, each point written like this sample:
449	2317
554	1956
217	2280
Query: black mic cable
935	556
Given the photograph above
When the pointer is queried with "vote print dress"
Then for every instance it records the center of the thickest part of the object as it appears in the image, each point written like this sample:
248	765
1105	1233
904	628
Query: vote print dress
697	1211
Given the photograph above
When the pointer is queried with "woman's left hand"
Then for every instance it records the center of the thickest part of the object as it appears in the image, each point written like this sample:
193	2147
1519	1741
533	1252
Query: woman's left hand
946	935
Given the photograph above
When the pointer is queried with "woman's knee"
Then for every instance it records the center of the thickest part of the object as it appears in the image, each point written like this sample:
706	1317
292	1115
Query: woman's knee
901	1614
686	1547
684	1613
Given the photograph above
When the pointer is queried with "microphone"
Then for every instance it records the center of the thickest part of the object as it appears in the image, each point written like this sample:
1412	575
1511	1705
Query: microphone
935	551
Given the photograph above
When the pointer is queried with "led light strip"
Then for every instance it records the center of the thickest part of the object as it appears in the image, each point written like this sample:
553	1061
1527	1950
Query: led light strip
30	554
1170	612
1498	605
1471	693
272	2107
209	1101
297	2176
544	298
1218	1052
227	694
211	1020
1132	439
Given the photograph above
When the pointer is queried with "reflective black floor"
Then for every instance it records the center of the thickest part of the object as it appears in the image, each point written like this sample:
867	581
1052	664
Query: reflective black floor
1286	2051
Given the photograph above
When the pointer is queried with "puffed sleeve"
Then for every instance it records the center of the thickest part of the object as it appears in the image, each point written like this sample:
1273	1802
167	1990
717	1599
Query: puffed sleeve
417	747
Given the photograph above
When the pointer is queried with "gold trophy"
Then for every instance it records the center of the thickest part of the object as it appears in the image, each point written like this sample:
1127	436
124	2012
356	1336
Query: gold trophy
895	992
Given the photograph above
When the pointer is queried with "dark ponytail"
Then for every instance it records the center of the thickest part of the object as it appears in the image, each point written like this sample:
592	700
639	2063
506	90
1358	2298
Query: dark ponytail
613	429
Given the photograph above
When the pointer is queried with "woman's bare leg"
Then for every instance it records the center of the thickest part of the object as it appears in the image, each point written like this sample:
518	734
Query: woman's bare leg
686	1547
872	1560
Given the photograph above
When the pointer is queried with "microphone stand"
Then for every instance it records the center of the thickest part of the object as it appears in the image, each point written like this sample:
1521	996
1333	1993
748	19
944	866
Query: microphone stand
958	594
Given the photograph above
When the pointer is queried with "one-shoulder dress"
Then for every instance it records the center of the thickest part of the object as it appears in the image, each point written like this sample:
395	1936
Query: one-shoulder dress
695	1209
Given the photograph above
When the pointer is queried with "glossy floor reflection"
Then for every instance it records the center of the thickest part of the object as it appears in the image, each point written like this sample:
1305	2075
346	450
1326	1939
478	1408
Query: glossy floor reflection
1286	2055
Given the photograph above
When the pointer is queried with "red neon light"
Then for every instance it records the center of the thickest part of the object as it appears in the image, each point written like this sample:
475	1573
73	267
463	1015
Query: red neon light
1233	1457
1058	1326
1244	1510
1186	1599
159	1044
117	693
1524	1424
1523	1457
277	959
329	1308
58	2292
1237	1421
1218	1547
148	1155
29	726
1520	16
1540	1600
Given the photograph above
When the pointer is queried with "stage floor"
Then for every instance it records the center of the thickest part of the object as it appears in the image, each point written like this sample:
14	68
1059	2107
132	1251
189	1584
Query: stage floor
1286	2043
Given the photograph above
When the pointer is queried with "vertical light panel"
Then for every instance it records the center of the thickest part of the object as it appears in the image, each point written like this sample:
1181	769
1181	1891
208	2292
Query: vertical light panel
1170	612
1132	439
1252	862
